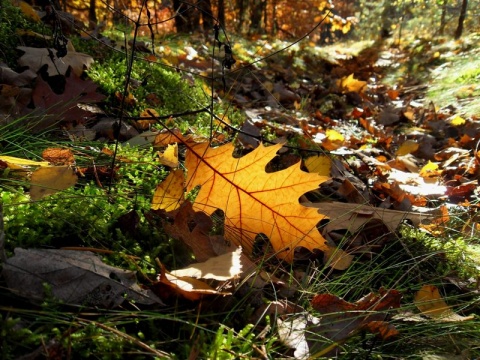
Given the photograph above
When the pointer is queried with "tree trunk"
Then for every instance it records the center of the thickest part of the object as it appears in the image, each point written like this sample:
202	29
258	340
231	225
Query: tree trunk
242	6
221	13
187	17
274	28
92	13
461	19
443	17
205	8
256	14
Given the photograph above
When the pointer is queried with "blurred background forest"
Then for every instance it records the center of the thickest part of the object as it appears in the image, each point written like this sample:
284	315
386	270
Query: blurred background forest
283	19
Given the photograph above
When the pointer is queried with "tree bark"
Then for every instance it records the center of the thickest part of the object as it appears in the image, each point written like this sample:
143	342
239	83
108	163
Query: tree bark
242	6
256	13
443	17
221	13
461	19
205	8
92	13
187	17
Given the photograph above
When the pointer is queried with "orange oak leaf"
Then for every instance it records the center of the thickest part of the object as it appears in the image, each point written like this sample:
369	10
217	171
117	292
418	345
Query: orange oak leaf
255	201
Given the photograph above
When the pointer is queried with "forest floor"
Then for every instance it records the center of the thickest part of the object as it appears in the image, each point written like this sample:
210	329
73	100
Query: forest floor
370	146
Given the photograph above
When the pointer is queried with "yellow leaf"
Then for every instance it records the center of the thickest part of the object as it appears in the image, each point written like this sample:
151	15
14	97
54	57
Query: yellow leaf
457	121
429	301
407	147
350	84
147	113
168	195
333	141
253	200
50	180
19	163
429	170
222	268
27	10
170	156
320	164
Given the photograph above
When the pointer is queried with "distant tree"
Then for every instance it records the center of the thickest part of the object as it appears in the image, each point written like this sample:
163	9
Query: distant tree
257	10
221	12
242	7
189	13
461	19
92	13
443	18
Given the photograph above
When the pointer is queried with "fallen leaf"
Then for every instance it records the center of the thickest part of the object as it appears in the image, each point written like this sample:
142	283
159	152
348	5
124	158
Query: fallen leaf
333	141
74	277
430	170
27	10
35	58
457	121
58	156
223	267
191	289
352	217
166	137
19	163
170	156
350	84
340	318
168	195
407	147
429	301
255	201
194	228
145	124
10	77
50	180
320	164
62	106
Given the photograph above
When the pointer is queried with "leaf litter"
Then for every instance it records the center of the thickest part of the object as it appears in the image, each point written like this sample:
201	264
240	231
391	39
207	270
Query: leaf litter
350	113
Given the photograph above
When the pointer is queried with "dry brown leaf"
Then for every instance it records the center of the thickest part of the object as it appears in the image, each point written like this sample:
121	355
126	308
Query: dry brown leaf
344	318
168	195
167	137
223	267
35	58
353	216
255	201
429	301
145	124
75	277
192	289
58	156
50	180
193	228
